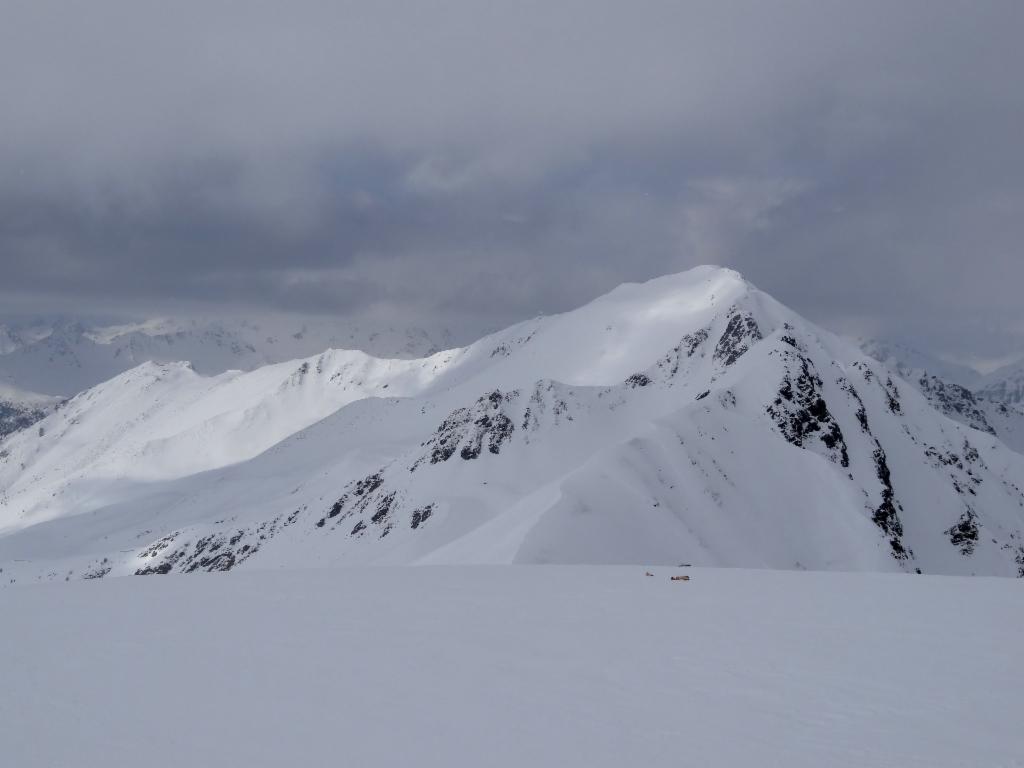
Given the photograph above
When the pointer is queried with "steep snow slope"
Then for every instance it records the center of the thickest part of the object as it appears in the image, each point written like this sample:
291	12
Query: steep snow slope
70	356
952	399
688	419
159	422
514	667
909	362
1007	421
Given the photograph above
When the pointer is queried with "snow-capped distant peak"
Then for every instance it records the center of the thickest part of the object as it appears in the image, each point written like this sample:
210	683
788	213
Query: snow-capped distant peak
1004	385
159	326
910	362
71	356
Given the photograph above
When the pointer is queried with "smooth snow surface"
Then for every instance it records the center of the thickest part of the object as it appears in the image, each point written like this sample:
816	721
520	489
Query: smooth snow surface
509	666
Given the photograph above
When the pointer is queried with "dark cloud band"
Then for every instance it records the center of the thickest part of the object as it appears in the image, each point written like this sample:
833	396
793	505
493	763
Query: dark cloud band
484	162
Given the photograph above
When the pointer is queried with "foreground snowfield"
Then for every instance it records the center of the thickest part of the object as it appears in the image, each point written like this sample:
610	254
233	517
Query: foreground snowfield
514	666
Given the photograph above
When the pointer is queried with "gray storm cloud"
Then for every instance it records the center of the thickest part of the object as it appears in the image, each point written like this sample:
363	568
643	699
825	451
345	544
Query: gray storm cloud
481	162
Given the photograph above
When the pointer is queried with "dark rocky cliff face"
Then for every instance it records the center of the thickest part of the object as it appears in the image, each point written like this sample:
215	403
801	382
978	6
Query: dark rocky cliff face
15	417
957	402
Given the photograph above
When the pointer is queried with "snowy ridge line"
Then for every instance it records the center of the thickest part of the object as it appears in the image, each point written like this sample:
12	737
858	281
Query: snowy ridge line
688	419
65	357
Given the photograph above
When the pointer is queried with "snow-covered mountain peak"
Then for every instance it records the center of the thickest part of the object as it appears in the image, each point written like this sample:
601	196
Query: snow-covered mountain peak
1005	385
157	326
612	337
691	418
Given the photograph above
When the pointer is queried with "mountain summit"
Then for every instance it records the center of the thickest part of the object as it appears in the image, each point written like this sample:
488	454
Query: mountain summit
689	419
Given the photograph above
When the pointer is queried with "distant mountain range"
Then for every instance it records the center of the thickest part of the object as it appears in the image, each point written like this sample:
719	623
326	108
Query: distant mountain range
64	357
989	403
690	419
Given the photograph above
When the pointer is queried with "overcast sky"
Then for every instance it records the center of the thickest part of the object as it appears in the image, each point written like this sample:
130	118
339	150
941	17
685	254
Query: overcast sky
473	163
